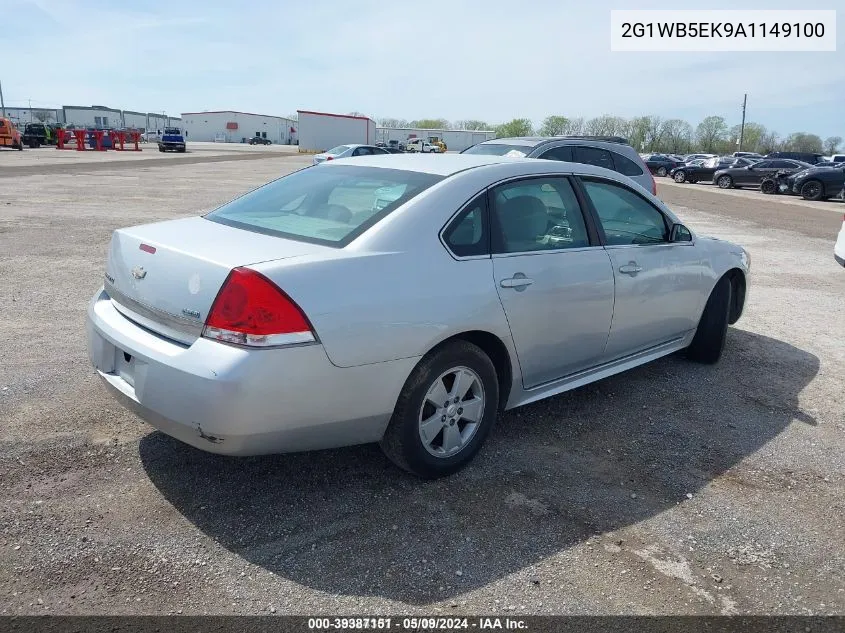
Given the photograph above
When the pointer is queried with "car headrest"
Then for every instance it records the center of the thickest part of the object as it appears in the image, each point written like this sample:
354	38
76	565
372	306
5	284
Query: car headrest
523	218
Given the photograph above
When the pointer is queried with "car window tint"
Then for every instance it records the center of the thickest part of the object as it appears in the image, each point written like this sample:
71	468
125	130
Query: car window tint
362	151
625	166
625	217
766	164
537	214
467	234
593	156
563	153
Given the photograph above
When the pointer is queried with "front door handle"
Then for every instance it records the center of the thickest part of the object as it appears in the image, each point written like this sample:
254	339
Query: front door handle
516	282
631	268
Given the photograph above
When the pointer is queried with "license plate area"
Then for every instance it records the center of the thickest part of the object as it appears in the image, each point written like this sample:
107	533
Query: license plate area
124	365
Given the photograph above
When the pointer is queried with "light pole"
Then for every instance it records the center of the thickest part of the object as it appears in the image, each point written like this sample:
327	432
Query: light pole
742	127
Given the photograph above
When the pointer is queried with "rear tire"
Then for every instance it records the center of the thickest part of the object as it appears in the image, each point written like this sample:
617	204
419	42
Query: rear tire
709	339
661	171
403	440
680	177
812	190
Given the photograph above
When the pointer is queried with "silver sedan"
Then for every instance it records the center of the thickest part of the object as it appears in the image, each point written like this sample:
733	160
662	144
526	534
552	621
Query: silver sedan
404	300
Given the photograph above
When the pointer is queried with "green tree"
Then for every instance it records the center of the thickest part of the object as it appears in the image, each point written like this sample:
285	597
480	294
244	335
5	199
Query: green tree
391	122
606	125
676	136
554	125
769	142
710	132
473	124
803	142
831	144
431	124
516	127
751	136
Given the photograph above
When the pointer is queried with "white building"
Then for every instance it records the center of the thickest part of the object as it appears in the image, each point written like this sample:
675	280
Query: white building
20	116
92	116
319	131
456	140
229	126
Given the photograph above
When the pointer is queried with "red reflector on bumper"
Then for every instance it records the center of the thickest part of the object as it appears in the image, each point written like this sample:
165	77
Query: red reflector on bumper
147	248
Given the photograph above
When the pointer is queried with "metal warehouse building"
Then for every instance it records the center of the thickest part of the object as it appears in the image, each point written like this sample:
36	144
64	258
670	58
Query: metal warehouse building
456	140
230	126
319	131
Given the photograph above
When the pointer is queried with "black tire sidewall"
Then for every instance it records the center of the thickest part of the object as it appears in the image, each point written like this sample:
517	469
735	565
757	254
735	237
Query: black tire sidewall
727	186
420	461
814	198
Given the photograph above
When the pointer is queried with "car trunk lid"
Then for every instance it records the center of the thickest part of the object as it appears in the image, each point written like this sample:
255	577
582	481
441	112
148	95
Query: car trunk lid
165	276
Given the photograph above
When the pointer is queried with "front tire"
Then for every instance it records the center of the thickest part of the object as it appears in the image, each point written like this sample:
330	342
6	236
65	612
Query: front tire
725	182
680	177
768	187
812	190
445	411
709	339
661	171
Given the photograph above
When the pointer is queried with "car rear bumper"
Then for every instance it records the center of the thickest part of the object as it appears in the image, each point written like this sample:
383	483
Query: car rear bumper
235	401
839	260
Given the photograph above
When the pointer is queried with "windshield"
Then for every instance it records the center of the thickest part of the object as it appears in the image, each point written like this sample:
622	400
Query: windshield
329	205
338	150
498	149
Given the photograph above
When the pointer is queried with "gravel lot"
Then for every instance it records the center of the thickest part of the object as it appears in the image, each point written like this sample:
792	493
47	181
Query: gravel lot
674	488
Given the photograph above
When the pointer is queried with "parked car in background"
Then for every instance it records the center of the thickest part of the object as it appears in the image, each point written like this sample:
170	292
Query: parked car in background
838	158
818	183
610	152
839	247
396	144
323	320
422	146
703	169
810	158
37	134
690	157
752	175
661	164
260	140
172	140
348	151
393	150
747	155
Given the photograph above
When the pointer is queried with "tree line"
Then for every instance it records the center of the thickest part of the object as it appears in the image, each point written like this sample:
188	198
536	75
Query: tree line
712	135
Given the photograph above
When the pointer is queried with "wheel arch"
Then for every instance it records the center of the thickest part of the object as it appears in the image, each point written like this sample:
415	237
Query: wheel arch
498	353
738	289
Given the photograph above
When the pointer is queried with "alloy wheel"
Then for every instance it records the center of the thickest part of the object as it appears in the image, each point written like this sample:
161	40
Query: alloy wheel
451	411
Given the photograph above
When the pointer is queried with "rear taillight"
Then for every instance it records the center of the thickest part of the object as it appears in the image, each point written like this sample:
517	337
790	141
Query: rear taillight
251	310
329	157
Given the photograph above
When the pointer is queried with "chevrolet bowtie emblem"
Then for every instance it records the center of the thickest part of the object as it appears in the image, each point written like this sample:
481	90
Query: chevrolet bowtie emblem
138	272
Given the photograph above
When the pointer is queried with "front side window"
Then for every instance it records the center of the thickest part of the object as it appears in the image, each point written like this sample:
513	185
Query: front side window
625	166
499	149
594	156
537	214
627	219
564	153
329	205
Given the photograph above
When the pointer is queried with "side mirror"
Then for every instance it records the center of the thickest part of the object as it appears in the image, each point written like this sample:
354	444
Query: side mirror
680	233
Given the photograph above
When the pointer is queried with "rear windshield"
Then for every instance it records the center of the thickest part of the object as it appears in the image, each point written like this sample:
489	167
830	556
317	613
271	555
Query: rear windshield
172	130
328	204
338	150
499	149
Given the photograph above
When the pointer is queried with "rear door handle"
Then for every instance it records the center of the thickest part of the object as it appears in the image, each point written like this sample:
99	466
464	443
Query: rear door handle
631	268
516	282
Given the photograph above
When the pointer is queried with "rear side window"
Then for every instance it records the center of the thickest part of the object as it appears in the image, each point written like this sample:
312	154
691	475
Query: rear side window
625	166
468	234
594	156
328	204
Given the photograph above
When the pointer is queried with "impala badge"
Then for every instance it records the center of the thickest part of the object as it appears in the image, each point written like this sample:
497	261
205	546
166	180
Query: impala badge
138	272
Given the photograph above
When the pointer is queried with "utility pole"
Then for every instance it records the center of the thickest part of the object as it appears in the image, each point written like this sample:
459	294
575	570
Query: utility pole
742	127
2	103
30	110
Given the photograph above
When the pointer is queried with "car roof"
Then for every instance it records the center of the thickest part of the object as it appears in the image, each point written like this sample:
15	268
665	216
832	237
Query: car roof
437	164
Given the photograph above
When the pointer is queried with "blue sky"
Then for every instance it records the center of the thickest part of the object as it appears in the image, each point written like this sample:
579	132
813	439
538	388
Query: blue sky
465	59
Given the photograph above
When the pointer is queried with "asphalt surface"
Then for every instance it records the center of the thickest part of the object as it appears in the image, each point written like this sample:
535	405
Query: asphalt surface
673	488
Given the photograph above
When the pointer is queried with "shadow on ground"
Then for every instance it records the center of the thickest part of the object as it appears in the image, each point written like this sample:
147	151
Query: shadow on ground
552	474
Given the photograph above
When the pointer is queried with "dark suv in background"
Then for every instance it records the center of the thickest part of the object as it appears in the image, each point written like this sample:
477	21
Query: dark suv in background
610	152
805	157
